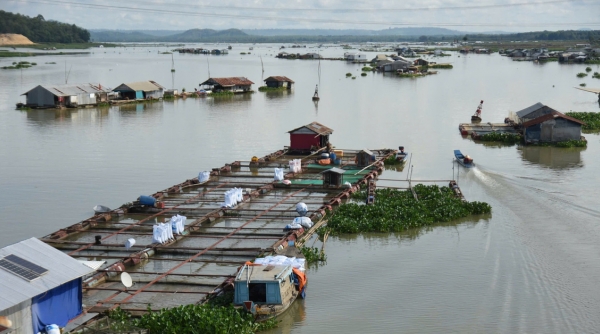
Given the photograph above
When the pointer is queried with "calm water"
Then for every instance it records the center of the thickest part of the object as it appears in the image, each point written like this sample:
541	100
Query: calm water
531	267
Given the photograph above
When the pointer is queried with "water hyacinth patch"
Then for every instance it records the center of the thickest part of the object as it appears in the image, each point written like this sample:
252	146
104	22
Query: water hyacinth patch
397	210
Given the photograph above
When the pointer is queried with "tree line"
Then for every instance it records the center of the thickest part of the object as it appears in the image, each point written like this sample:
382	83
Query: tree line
37	29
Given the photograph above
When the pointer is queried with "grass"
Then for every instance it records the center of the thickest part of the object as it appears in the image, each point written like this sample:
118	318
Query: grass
446	66
221	94
271	89
592	61
591	119
581	75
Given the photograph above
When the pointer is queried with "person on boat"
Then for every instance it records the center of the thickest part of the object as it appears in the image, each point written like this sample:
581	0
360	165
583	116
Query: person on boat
467	160
478	112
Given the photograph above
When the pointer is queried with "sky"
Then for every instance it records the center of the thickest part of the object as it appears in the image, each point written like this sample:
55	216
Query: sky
462	15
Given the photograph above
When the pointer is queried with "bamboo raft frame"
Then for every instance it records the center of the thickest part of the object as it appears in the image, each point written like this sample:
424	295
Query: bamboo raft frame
215	241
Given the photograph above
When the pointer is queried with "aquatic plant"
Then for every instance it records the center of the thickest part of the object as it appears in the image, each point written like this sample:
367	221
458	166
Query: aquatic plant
588	69
571	143
204	318
348	74
592	61
509	138
445	66
363	74
582	84
242	53
271	89
398	210
591	119
596	75
581	75
221	94
367	68
391	160
313	254
353	78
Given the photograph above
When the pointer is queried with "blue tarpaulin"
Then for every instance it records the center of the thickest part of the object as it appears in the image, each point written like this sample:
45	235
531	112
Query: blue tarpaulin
57	306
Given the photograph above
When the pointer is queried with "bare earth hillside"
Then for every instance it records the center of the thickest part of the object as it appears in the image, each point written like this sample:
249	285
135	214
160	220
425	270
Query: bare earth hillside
14	39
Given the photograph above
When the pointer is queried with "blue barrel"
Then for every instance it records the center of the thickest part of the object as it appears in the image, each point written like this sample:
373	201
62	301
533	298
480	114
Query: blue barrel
147	200
332	156
337	161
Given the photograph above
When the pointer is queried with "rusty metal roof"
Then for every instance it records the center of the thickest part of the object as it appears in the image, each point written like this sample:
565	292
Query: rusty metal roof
315	127
279	78
553	115
227	82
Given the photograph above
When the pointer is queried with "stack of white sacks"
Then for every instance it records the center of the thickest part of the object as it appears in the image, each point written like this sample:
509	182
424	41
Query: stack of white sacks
299	222
278	174
232	198
177	224
280	260
296	166
162	233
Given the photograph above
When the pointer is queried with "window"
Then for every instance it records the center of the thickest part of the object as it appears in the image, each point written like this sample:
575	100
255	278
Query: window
258	292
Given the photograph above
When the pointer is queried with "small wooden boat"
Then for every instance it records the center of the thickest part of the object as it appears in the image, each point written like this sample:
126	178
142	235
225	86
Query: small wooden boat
466	161
268	291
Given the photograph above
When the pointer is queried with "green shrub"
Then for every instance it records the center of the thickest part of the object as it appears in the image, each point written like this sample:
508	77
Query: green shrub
582	84
581	75
509	138
363	74
348	74
588	69
367	68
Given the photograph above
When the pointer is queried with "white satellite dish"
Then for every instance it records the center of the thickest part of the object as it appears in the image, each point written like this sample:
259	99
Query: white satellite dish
126	280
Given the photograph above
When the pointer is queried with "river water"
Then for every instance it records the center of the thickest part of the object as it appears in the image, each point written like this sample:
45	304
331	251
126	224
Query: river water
530	267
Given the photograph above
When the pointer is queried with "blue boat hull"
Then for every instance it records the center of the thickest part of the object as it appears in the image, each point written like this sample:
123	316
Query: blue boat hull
461	159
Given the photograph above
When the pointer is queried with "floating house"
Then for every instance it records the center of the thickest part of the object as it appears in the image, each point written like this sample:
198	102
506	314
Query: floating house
40	286
552	127
423	62
232	84
44	96
533	112
333	177
309	136
357	57
395	66
140	90
279	81
364	158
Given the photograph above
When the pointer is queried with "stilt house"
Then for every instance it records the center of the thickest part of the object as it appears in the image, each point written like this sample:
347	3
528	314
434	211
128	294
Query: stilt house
44	96
279	81
333	177
553	127
40	286
140	90
313	135
232	84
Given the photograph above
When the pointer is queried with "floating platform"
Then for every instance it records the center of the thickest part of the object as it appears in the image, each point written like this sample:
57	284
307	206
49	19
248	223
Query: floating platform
483	128
216	240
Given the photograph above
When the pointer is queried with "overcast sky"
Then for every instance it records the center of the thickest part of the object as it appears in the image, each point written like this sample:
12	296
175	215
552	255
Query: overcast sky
464	15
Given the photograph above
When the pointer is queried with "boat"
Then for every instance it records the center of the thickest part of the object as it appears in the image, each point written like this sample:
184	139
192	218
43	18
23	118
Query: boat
401	155
101	209
464	160
267	290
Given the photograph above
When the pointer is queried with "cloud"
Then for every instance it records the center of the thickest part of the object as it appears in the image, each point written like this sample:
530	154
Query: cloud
312	14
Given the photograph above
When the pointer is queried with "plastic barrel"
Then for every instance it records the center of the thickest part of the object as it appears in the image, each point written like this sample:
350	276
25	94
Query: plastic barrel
337	161
332	156
324	155
52	329
147	200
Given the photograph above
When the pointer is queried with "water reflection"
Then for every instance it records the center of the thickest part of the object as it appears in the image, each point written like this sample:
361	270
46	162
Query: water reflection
45	117
295	314
238	98
553	157
278	94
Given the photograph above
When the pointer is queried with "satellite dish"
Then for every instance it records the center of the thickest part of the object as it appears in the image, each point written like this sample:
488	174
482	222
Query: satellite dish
126	280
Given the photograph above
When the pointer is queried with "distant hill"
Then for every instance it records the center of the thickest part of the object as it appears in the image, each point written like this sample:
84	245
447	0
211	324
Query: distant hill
188	36
422	31
37	29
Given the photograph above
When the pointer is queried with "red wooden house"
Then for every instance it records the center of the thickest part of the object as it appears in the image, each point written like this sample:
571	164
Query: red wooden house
312	135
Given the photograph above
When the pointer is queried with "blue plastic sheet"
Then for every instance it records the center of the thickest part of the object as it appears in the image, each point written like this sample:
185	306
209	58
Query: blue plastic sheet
57	306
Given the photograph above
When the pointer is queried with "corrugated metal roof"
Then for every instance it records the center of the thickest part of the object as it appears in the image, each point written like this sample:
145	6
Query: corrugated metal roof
70	90
547	117
334	170
61	269
279	78
316	127
146	86
529	110
226	82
